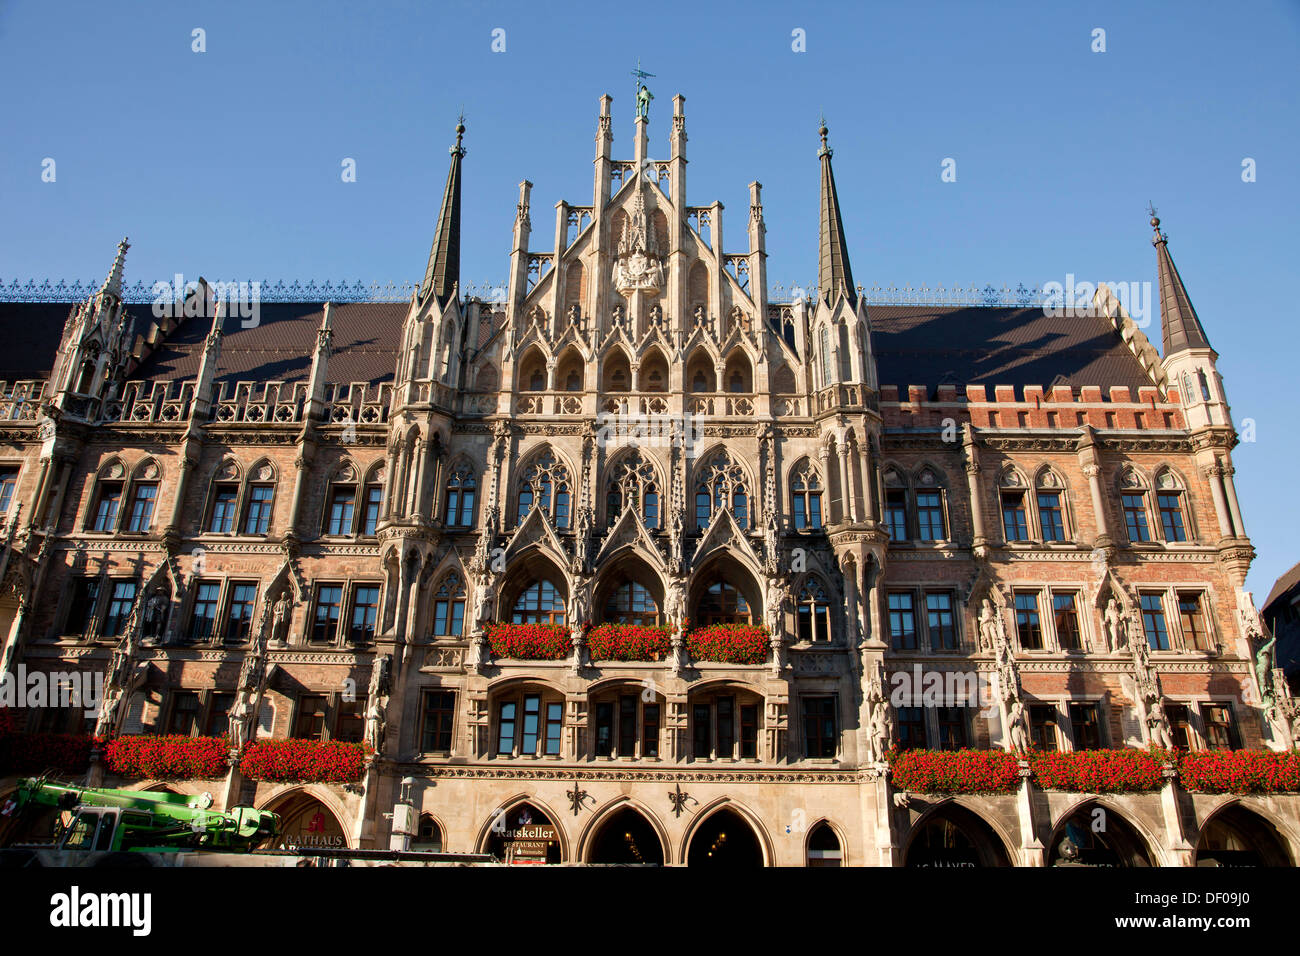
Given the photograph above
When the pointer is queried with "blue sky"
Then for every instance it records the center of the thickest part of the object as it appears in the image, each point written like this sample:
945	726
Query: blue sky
227	163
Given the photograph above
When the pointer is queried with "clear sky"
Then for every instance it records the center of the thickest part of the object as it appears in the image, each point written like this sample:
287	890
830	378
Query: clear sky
228	163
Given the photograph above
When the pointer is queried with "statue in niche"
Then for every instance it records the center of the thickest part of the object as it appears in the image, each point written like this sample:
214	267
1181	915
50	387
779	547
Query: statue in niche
1110	626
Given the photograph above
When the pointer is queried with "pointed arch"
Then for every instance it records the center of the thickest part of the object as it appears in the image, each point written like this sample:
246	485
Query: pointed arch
952	833
532	370
818	851
571	370
616	370
722	482
1122	842
488	841
593	846
545	480
1237	835
806	484
654	374
460	493
634	479
629	590
739	812
738	372
700	372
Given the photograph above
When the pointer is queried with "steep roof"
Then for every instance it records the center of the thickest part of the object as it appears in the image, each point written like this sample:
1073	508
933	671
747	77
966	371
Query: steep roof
1282	586
834	275
1179	322
967	345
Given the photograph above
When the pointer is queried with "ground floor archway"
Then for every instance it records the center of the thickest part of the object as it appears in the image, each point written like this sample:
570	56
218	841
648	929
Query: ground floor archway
524	834
726	840
626	837
305	821
1095	835
1237	837
953	836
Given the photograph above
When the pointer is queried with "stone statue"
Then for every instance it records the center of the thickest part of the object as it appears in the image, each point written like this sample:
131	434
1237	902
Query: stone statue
242	717
1017	736
643	98
1264	658
877	720
988	627
772	543
377	701
675	541
155	615
1110	626
774	615
280	617
1158	726
675	612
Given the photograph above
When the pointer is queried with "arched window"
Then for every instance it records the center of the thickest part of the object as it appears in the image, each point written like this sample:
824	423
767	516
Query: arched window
723	603
813	612
461	488
930	521
824	847
341	504
633	481
449	607
1049	501
539	603
1169	501
259	499
1015	507
721	486
631	603
429	836
544	484
223	501
824	348
1133	503
806	497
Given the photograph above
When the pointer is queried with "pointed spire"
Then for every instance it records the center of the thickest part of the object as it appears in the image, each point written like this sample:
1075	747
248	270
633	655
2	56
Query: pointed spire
113	284
834	277
443	271
1178	321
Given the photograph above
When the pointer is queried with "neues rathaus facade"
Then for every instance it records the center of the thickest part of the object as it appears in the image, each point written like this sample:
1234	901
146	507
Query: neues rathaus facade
307	524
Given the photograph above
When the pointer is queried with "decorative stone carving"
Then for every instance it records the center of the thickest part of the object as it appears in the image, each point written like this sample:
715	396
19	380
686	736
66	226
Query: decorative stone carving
377	701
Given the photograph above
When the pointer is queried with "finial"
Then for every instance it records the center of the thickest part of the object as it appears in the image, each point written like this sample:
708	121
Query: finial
1155	224
825	150
458	149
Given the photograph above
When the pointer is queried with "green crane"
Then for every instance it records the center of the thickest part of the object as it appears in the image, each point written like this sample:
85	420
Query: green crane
141	821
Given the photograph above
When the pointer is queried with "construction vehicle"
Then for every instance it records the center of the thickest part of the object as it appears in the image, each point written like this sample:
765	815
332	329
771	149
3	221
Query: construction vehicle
68	825
106	827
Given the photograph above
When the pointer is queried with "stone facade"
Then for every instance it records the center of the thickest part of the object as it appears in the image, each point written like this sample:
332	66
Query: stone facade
639	431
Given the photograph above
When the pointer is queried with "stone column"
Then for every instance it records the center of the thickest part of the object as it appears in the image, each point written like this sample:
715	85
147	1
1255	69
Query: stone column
824	455
1234	507
1211	473
846	486
1093	473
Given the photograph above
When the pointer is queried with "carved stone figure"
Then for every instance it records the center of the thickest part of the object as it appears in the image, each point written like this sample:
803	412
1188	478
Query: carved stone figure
280	617
1110	626
155	615
1158	726
377	701
988	626
643	98
1017	736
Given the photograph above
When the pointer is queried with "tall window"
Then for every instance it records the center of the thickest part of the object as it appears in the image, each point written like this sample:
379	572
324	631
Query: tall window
1051	519
204	617
461	488
813	613
723	603
1014	525
8	482
310	723
1085	726
142	501
627	726
529	725
1029	628
1153	622
940	620
119	607
325	620
721	486
342	506
1065	612
350	720
820	733
439	713
374	501
896	514
1042	727
449	607
239	620
1171	515
545	484
1196	633
540	603
1220	728
365	610
81	612
929	515
1180	725
806	499
106	507
902	621
631	603
952	727
824	348
258	519
632	482
1135	516
222	520
185	713
911	728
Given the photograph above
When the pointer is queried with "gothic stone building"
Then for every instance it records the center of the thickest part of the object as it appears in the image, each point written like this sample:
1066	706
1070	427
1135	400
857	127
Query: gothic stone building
301	526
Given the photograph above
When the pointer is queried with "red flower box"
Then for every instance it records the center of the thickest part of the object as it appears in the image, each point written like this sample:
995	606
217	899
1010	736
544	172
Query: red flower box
1240	771
529	642
728	643
173	757
629	642
303	761
955	771
1098	771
